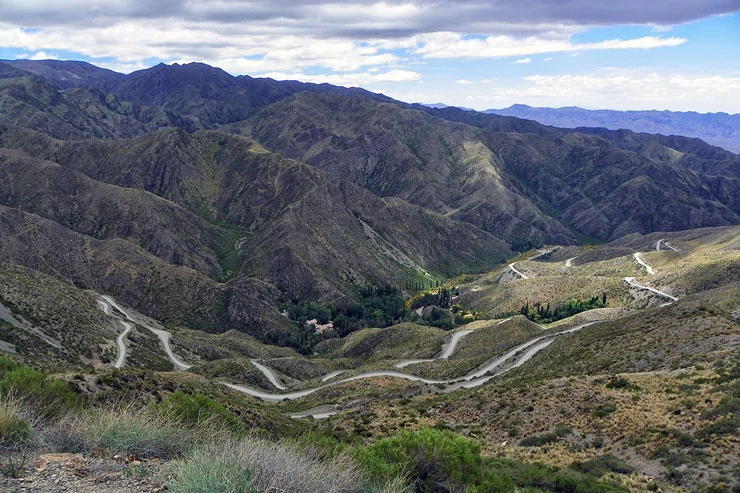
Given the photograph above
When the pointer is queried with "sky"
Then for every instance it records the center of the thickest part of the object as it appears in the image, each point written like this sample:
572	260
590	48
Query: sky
680	55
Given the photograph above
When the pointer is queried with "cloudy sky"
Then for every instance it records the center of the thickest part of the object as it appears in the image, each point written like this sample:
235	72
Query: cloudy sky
626	54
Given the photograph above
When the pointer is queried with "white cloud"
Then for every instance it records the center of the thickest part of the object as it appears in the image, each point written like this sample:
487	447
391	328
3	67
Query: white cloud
39	55
523	60
466	82
180	41
649	90
452	45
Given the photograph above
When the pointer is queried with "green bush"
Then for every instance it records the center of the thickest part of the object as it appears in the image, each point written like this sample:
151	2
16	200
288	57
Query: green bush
726	426
195	410
603	410
561	431
6	365
433	461
16	429
47	395
728	405
602	464
539	440
542	477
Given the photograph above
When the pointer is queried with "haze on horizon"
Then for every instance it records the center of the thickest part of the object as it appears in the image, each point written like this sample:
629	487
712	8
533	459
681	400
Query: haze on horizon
677	55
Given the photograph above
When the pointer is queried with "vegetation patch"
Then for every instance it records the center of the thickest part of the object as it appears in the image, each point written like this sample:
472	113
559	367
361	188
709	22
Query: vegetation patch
543	314
373	306
253	465
603	464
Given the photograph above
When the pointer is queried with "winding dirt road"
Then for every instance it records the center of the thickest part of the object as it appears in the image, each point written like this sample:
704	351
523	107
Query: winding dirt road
639	260
631	281
661	243
448	349
163	335
513	358
121	341
269	374
517	272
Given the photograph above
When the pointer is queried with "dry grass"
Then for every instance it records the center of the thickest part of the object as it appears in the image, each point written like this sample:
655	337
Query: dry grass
123	430
254	464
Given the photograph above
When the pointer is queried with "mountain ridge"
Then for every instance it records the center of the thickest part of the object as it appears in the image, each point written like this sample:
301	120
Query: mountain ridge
315	190
720	129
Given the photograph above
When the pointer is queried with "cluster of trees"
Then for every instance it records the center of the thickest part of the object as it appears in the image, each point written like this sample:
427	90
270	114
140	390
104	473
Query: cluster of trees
544	314
442	299
372	306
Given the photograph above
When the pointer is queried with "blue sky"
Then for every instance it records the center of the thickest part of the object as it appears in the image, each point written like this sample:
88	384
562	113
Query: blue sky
662	54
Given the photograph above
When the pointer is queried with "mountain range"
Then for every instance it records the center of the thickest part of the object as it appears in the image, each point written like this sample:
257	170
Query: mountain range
186	253
720	129
181	186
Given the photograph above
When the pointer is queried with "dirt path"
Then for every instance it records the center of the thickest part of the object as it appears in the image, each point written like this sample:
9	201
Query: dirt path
631	281
269	374
513	358
448	349
515	271
639	260
163	335
662	242
121	341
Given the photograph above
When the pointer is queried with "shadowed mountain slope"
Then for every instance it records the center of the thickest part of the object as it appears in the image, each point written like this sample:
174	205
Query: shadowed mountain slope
32	102
326	188
228	209
492	177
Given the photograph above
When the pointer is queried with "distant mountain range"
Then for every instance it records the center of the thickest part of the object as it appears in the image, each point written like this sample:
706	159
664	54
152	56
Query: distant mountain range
205	200
720	129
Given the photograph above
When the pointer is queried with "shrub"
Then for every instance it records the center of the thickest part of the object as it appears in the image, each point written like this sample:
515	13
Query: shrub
543	477
603	410
433	460
6	365
120	431
16	435
560	432
602	464
728	405
539	440
195	410
619	382
727	426
47	395
205	471
254	464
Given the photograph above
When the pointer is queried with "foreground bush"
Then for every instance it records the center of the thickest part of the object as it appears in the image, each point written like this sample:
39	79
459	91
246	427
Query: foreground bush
198	410
254	464
437	461
47	395
124	431
433	461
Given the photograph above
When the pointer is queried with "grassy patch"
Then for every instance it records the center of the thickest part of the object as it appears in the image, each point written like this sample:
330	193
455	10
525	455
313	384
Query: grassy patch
603	464
253	464
124	430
